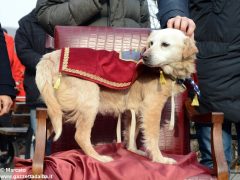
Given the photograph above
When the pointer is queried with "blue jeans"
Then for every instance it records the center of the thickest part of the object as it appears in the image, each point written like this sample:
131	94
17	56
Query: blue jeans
204	134
33	119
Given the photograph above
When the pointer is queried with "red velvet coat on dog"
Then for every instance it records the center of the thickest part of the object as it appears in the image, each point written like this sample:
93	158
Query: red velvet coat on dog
101	66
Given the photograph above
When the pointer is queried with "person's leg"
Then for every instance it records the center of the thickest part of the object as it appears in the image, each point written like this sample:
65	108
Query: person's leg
204	134
5	121
238	137
28	143
227	142
33	120
31	132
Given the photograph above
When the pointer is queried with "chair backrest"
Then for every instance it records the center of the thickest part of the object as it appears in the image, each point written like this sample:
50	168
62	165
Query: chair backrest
108	38
120	39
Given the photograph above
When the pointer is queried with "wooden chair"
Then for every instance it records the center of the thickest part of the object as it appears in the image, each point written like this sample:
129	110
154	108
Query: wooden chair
176	141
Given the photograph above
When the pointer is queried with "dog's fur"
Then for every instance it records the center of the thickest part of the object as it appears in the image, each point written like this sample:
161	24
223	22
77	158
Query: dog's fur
81	100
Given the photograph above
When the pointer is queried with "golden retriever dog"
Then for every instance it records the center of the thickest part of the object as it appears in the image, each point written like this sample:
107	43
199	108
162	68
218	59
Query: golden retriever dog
80	100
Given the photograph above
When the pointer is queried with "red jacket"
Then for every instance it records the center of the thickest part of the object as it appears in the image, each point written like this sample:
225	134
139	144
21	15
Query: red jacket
16	66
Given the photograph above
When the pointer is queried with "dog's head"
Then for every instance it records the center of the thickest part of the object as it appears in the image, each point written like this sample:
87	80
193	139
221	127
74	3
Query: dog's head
171	50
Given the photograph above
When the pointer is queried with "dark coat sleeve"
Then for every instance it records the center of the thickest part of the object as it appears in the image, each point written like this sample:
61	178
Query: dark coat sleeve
171	8
62	12
7	83
26	53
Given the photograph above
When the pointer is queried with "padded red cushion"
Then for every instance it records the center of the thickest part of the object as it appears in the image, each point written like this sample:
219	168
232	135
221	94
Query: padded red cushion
74	164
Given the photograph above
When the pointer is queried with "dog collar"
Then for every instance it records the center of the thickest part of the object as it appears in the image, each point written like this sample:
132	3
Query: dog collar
189	81
173	78
194	85
182	82
178	81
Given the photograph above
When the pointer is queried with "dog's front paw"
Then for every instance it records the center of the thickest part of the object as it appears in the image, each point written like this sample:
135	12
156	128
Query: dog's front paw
164	160
105	159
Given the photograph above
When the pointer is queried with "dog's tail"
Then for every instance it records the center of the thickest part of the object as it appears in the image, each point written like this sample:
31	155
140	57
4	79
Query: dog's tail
45	71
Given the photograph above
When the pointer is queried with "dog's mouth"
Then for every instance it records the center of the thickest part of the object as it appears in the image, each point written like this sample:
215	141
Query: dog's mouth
152	66
149	63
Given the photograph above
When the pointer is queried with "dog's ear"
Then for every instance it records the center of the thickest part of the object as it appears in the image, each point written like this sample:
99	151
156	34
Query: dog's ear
189	47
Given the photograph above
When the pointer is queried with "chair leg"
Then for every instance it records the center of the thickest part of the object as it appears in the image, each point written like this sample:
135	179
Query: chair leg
220	164
39	153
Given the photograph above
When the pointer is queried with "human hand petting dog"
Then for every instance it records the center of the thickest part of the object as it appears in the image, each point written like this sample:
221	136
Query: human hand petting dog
5	104
182	23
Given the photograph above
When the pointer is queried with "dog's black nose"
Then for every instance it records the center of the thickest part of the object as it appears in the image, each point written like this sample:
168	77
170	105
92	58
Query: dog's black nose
143	50
144	57
143	54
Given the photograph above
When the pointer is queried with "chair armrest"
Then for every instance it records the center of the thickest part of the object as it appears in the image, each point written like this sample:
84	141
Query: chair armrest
38	158
220	167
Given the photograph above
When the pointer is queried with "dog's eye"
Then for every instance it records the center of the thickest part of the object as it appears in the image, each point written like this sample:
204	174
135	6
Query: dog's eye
164	44
150	44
